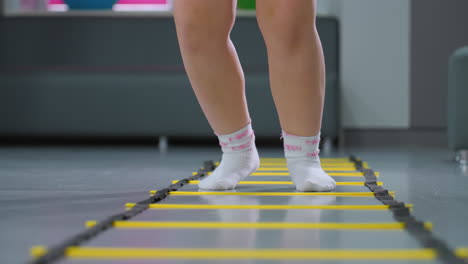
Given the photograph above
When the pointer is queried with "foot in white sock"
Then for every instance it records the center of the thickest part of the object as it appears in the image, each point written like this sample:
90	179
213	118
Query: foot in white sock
302	157
239	160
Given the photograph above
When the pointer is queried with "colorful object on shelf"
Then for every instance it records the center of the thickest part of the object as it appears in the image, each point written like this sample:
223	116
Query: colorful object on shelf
119	5
142	2
90	4
246	4
124	2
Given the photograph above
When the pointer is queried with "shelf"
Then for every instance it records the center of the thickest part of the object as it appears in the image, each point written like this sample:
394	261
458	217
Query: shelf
110	13
87	13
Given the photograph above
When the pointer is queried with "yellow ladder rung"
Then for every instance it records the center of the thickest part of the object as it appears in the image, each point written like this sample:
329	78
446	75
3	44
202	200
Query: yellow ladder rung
338	174
264	207
114	253
337	194
255	225
287	183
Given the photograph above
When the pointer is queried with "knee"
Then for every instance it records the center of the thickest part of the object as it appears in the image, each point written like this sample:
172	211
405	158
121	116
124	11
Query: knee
197	34
288	33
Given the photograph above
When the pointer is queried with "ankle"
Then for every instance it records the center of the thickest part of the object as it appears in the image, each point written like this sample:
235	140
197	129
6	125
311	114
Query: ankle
242	140
301	147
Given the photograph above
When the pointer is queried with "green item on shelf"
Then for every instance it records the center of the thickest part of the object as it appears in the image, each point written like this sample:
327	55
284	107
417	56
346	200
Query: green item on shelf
246	4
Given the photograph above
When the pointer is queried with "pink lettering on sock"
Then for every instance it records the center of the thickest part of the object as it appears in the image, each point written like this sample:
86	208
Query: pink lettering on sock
223	144
312	142
313	154
243	146
241	135
292	147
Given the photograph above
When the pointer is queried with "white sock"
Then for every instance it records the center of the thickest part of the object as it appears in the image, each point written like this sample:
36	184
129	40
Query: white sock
302	157
239	160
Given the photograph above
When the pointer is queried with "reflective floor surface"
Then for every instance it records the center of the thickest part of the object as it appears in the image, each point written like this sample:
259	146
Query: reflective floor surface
48	193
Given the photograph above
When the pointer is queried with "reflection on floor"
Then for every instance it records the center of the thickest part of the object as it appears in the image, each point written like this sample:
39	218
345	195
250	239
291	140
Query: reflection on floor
48	193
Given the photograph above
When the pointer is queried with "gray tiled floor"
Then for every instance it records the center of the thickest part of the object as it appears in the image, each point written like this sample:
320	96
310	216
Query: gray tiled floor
47	193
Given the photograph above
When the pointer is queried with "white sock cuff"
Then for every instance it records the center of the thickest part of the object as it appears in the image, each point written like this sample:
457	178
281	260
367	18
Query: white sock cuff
240	140
234	134
297	146
289	136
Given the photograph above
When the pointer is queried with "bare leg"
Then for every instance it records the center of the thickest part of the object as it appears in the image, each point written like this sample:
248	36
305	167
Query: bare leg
297	72
297	77
211	62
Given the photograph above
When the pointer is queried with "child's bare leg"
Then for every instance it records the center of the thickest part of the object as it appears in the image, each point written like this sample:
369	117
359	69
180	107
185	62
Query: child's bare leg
297	77
211	62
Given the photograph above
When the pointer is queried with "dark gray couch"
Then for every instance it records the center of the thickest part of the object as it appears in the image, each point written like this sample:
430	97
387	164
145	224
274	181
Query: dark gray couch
118	76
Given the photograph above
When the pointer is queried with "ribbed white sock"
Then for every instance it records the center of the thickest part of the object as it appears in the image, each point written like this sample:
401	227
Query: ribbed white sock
239	160
302	157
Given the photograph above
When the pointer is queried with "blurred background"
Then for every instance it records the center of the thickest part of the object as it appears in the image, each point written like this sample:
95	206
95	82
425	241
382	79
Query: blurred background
79	74
112	69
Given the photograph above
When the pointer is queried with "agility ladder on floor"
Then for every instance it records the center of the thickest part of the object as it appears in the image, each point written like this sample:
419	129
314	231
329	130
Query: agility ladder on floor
340	167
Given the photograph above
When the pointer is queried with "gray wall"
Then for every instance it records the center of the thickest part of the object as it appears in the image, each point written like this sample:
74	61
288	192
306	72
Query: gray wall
438	27
395	60
375	63
374	50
